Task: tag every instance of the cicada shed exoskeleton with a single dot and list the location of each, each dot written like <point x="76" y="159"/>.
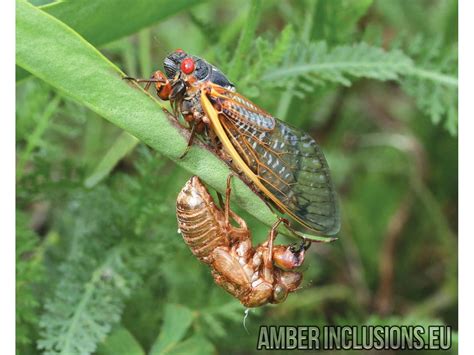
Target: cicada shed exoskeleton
<point x="283" y="164"/>
<point x="255" y="276"/>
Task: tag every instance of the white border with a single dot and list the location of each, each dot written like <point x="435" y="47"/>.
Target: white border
<point x="7" y="184"/>
<point x="466" y="175"/>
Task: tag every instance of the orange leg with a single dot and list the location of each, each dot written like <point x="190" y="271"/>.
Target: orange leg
<point x="271" y="237"/>
<point x="162" y="84"/>
<point x="228" y="190"/>
<point x="236" y="234"/>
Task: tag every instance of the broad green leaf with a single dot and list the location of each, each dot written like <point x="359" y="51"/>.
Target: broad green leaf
<point x="104" y="21"/>
<point x="120" y="342"/>
<point x="176" y="321"/>
<point x="56" y="54"/>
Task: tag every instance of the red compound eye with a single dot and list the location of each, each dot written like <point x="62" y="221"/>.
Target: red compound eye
<point x="179" y="50"/>
<point x="187" y="65"/>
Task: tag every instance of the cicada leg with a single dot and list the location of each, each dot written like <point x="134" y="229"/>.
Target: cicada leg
<point x="214" y="139"/>
<point x="228" y="190"/>
<point x="235" y="233"/>
<point x="271" y="238"/>
<point x="162" y="84"/>
<point x="164" y="91"/>
<point x="190" y="142"/>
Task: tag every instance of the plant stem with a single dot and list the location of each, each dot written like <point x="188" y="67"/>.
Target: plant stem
<point x="35" y="138"/>
<point x="144" y="51"/>
<point x="287" y="97"/>
<point x="122" y="146"/>
<point x="246" y="39"/>
<point x="433" y="76"/>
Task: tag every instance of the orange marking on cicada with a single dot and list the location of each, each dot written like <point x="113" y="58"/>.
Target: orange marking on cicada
<point x="162" y="84"/>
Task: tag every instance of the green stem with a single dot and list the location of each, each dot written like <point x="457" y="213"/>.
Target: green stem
<point x="339" y="66"/>
<point x="246" y="39"/>
<point x="144" y="51"/>
<point x="122" y="146"/>
<point x="433" y="76"/>
<point x="287" y="97"/>
<point x="35" y="138"/>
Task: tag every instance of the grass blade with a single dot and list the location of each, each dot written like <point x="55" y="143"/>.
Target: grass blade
<point x="123" y="145"/>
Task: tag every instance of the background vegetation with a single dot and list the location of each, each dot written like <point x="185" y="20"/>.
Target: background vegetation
<point x="100" y="266"/>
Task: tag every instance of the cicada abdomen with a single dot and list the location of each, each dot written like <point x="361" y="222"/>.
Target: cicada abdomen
<point x="202" y="224"/>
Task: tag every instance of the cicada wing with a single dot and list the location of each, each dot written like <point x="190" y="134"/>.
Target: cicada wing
<point x="286" y="161"/>
<point x="306" y="186"/>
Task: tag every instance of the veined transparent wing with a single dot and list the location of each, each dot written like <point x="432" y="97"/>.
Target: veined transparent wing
<point x="287" y="162"/>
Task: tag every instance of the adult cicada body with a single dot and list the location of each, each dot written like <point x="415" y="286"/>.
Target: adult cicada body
<point x="282" y="163"/>
<point x="255" y="276"/>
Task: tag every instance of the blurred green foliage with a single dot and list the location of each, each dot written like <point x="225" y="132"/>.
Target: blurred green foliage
<point x="100" y="266"/>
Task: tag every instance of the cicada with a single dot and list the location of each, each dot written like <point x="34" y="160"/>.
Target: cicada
<point x="285" y="165"/>
<point x="255" y="276"/>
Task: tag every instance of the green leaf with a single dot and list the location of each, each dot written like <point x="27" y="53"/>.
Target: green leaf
<point x="176" y="322"/>
<point x="81" y="314"/>
<point x="120" y="342"/>
<point x="104" y="21"/>
<point x="45" y="47"/>
<point x="123" y="145"/>
<point x="29" y="271"/>
<point x="433" y="81"/>
<point x="335" y="20"/>
<point x="95" y="276"/>
<point x="317" y="63"/>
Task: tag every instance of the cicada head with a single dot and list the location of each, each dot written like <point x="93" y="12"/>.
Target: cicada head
<point x="179" y="64"/>
<point x="287" y="281"/>
<point x="172" y="63"/>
